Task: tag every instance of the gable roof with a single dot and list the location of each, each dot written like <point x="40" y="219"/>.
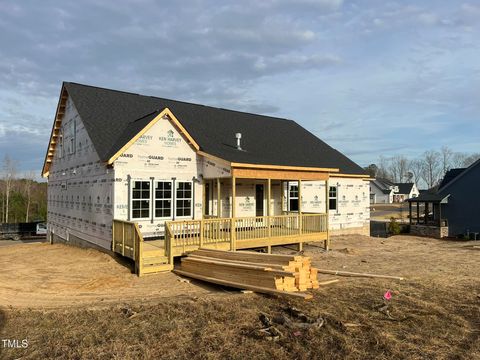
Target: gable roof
<point x="458" y="176"/>
<point x="112" y="118"/>
<point x="381" y="186"/>
<point x="450" y="175"/>
<point x="404" y="188"/>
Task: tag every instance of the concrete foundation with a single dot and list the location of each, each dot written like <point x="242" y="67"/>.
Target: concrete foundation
<point x="76" y="241"/>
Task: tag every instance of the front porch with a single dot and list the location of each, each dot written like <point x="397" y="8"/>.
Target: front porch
<point x="428" y="222"/>
<point x="274" y="222"/>
<point x="218" y="233"/>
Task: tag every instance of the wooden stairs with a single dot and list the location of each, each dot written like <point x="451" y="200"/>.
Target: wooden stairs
<point x="152" y="259"/>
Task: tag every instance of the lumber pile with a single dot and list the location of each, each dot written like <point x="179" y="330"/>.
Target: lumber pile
<point x="270" y="273"/>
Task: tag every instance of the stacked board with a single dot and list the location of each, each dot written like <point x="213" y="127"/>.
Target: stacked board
<point x="270" y="273"/>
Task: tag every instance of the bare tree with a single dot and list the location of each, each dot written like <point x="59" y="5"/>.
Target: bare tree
<point x="458" y="159"/>
<point x="28" y="186"/>
<point x="431" y="167"/>
<point x="469" y="160"/>
<point x="9" y="171"/>
<point x="383" y="168"/>
<point x="447" y="155"/>
<point x="416" y="166"/>
<point x="399" y="167"/>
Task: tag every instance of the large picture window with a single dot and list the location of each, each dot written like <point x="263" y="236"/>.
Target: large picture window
<point x="163" y="199"/>
<point x="183" y="198"/>
<point x="332" y="198"/>
<point x="141" y="200"/>
<point x="293" y="197"/>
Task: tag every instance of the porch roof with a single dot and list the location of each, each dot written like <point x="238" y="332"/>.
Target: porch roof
<point x="430" y="198"/>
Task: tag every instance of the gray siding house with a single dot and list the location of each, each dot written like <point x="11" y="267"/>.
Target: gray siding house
<point x="463" y="208"/>
<point x="452" y="210"/>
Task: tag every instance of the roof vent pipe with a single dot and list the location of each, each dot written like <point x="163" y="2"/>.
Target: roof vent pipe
<point x="239" y="138"/>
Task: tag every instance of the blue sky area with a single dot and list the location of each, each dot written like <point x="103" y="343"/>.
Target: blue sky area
<point x="370" y="78"/>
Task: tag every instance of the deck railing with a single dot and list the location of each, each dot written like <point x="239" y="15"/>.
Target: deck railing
<point x="185" y="235"/>
<point x="127" y="240"/>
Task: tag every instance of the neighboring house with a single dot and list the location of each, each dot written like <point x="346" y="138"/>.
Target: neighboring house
<point x="451" y="210"/>
<point x="404" y="191"/>
<point x="123" y="168"/>
<point x="383" y="191"/>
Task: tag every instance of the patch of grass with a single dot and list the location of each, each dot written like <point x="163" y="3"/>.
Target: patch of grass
<point x="423" y="323"/>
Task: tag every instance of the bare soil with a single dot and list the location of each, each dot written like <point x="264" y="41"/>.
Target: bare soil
<point x="41" y="275"/>
<point x="72" y="303"/>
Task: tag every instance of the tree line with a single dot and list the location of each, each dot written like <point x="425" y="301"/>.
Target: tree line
<point x="427" y="170"/>
<point x="22" y="199"/>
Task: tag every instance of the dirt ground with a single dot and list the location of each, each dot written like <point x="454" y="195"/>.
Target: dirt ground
<point x="41" y="275"/>
<point x="75" y="303"/>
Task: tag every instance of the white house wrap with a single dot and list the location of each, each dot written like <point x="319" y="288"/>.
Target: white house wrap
<point x="126" y="158"/>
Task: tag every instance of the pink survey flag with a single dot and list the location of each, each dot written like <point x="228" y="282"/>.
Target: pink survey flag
<point x="387" y="295"/>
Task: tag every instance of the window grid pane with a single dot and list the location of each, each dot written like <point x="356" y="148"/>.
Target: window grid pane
<point x="332" y="198"/>
<point x="141" y="199"/>
<point x="163" y="199"/>
<point x="183" y="199"/>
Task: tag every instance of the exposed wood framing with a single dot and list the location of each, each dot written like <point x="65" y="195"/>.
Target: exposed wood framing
<point x="246" y="173"/>
<point x="364" y="177"/>
<point x="282" y="167"/>
<point x="55" y="131"/>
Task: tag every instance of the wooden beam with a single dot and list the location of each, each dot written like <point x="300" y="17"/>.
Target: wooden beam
<point x="269" y="211"/>
<point x="61" y="103"/>
<point x="278" y="174"/>
<point x="354" y="274"/>
<point x="244" y="286"/>
<point x="281" y="197"/>
<point x="283" y="167"/>
<point x="327" y="201"/>
<point x="300" y="206"/>
<point x="219" y="201"/>
<point x="232" y="230"/>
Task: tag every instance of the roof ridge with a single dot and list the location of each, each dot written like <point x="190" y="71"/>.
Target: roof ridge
<point x="179" y="101"/>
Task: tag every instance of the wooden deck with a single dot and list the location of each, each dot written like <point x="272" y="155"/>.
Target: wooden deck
<point x="216" y="233"/>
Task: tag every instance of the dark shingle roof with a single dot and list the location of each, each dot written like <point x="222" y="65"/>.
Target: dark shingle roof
<point x="113" y="117"/>
<point x="404" y="188"/>
<point x="450" y="175"/>
<point x="429" y="197"/>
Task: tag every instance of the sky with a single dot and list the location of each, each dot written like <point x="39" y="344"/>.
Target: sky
<point x="371" y="78"/>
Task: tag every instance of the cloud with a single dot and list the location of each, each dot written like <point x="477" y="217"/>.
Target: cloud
<point x="352" y="72"/>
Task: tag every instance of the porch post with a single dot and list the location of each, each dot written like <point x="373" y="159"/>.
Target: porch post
<point x="418" y="213"/>
<point x="300" y="206"/>
<point x="426" y="213"/>
<point x="269" y="213"/>
<point x="282" y="199"/>
<point x="233" y="246"/>
<point x="440" y="214"/>
<point x="410" y="212"/>
<point x="218" y="199"/>
<point x="327" y="192"/>
<point x="203" y="199"/>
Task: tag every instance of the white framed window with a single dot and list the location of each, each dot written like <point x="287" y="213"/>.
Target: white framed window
<point x="332" y="198"/>
<point x="163" y="202"/>
<point x="183" y="199"/>
<point x="293" y="197"/>
<point x="140" y="199"/>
